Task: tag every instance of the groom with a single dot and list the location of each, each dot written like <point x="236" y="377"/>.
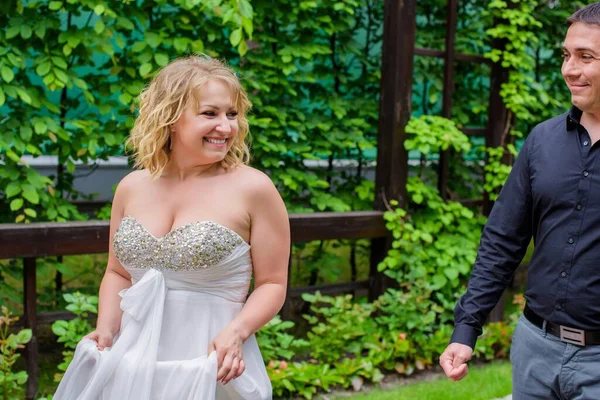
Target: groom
<point x="552" y="195"/>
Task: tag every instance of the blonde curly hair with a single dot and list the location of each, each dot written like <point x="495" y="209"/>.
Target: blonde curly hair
<point x="162" y="103"/>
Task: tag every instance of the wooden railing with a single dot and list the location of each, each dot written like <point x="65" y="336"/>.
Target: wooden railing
<point x="30" y="241"/>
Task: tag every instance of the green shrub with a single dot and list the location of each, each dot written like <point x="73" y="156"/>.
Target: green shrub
<point x="71" y="332"/>
<point x="11" y="382"/>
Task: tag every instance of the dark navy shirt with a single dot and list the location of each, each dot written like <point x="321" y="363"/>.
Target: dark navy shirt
<point x="553" y="195"/>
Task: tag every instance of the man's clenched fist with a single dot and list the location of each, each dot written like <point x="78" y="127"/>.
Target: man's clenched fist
<point x="454" y="360"/>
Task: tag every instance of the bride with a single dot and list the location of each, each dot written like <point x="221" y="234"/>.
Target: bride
<point x="188" y="231"/>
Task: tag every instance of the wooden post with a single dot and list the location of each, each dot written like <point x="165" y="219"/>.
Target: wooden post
<point x="31" y="349"/>
<point x="449" y="57"/>
<point x="394" y="112"/>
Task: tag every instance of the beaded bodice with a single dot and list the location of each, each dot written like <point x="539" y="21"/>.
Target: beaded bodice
<point x="190" y="247"/>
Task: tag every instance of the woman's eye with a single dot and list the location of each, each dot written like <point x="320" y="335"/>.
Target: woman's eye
<point x="209" y="113"/>
<point x="232" y="114"/>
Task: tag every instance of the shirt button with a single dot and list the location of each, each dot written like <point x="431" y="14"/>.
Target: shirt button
<point x="558" y="307"/>
<point x="586" y="143"/>
<point x="579" y="207"/>
<point x="571" y="240"/>
<point x="585" y="173"/>
<point x="563" y="274"/>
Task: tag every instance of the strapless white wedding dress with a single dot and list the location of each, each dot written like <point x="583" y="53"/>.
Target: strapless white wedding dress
<point x="187" y="286"/>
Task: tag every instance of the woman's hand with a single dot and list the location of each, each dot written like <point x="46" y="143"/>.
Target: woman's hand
<point x="103" y="337"/>
<point x="228" y="345"/>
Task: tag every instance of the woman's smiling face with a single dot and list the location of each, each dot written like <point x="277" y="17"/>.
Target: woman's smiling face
<point x="208" y="126"/>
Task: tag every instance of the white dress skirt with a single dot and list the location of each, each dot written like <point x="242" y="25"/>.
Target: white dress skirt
<point x="187" y="286"/>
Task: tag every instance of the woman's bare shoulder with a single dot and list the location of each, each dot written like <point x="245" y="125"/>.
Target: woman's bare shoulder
<point x="133" y="180"/>
<point x="253" y="179"/>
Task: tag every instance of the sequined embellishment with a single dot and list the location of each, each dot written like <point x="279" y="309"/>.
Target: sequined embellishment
<point x="189" y="247"/>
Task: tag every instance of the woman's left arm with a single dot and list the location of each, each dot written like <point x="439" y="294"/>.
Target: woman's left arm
<point x="270" y="240"/>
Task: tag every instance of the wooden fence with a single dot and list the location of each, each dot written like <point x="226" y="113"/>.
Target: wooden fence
<point x="31" y="241"/>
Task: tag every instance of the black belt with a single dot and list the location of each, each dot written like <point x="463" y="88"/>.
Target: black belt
<point x="564" y="333"/>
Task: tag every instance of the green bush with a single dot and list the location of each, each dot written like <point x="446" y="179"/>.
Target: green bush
<point x="71" y="71"/>
<point x="11" y="382"/>
<point x="276" y="344"/>
<point x="71" y="332"/>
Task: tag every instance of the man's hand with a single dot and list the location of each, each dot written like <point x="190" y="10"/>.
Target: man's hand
<point x="454" y="360"/>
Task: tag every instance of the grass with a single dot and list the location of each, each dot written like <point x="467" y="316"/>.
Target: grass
<point x="484" y="382"/>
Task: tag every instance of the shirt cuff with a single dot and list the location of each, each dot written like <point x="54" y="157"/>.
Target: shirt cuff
<point x="465" y="334"/>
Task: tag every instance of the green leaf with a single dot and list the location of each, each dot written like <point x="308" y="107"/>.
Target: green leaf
<point x="12" y="189"/>
<point x="25" y="31"/>
<point x="248" y="27"/>
<point x="73" y="40"/>
<point x="13" y="31"/>
<point x="69" y="298"/>
<point x="153" y="39"/>
<point x="40" y="127"/>
<point x="43" y="68"/>
<point x="61" y="75"/>
<point x="93" y="147"/>
<point x="180" y="44"/>
<point x="52" y="213"/>
<point x="24" y="336"/>
<point x="139" y="46"/>
<point x="235" y="37"/>
<point x="243" y="48"/>
<point x="80" y="83"/>
<point x="7" y="74"/>
<point x="40" y="31"/>
<point x="48" y="80"/>
<point x="99" y="27"/>
<point x="125" y="98"/>
<point x="161" y="59"/>
<point x="60" y="62"/>
<point x="30" y="194"/>
<point x="2" y="97"/>
<point x="21" y="377"/>
<point x="125" y="23"/>
<point x="55" y="5"/>
<point x="24" y="95"/>
<point x="13" y="156"/>
<point x="245" y="9"/>
<point x="99" y="9"/>
<point x="58" y="330"/>
<point x="31" y="212"/>
<point x="16" y="204"/>
<point x="451" y="273"/>
<point x="198" y="46"/>
<point x="145" y="69"/>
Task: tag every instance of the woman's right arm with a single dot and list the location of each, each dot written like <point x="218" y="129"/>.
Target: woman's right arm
<point x="115" y="279"/>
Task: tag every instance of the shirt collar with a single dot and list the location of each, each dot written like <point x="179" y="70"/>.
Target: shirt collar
<point x="573" y="118"/>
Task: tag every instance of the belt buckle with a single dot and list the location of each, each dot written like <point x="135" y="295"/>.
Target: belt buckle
<point x="572" y="335"/>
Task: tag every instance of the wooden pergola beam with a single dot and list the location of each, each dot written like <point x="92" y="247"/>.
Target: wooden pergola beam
<point x="449" y="57"/>
<point x="391" y="173"/>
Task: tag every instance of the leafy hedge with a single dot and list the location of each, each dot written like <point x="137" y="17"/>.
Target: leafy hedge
<point x="71" y="71"/>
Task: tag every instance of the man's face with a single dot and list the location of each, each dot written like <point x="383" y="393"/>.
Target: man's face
<point x="581" y="66"/>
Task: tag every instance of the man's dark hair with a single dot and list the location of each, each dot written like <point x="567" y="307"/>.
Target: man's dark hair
<point x="589" y="14"/>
